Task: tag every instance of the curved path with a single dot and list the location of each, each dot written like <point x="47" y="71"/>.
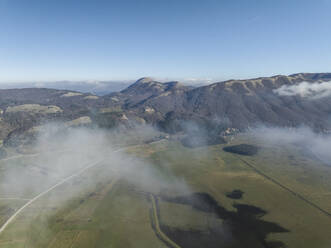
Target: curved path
<point x="157" y="227"/>
<point x="48" y="190"/>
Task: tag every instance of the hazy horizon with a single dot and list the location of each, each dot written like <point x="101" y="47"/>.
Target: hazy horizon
<point x="159" y="79"/>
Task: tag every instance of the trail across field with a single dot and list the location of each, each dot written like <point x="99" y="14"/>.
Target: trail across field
<point x="50" y="189"/>
<point x="285" y="187"/>
<point x="157" y="227"/>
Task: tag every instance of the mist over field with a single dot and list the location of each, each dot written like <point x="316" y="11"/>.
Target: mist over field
<point x="71" y="166"/>
<point x="165" y="124"/>
<point x="317" y="143"/>
<point x="62" y="153"/>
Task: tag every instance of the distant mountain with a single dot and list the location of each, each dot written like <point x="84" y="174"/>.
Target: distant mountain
<point x="223" y="107"/>
<point x="236" y="103"/>
<point x="92" y="86"/>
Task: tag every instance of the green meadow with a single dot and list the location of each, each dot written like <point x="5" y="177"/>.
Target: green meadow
<point x="102" y="209"/>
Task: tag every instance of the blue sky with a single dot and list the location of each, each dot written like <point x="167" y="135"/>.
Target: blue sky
<point x="127" y="39"/>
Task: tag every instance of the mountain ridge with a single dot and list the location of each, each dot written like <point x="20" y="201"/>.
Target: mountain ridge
<point x="227" y="105"/>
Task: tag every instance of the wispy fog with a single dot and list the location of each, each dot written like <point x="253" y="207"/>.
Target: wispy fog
<point x="318" y="144"/>
<point x="66" y="152"/>
<point x="305" y="89"/>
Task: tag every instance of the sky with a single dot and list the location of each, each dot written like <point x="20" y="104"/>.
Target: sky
<point x="178" y="39"/>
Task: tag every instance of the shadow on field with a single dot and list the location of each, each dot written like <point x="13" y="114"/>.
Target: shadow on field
<point x="240" y="229"/>
<point x="242" y="149"/>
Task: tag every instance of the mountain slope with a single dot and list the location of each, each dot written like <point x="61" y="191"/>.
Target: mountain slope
<point x="230" y="105"/>
<point x="239" y="103"/>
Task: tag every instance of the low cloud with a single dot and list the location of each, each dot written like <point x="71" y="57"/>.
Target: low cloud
<point x="318" y="144"/>
<point x="64" y="152"/>
<point x="306" y="90"/>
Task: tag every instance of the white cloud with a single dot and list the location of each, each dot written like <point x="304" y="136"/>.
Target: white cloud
<point x="305" y="89"/>
<point x="317" y="143"/>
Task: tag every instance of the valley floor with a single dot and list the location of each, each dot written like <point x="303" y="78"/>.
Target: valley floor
<point x="285" y="201"/>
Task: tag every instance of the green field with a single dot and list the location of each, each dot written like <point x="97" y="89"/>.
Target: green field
<point x="102" y="208"/>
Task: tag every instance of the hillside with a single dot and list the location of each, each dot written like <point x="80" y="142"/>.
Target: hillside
<point x="234" y="103"/>
<point x="223" y="107"/>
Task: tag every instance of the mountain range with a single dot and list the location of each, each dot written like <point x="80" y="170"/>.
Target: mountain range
<point x="228" y="106"/>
